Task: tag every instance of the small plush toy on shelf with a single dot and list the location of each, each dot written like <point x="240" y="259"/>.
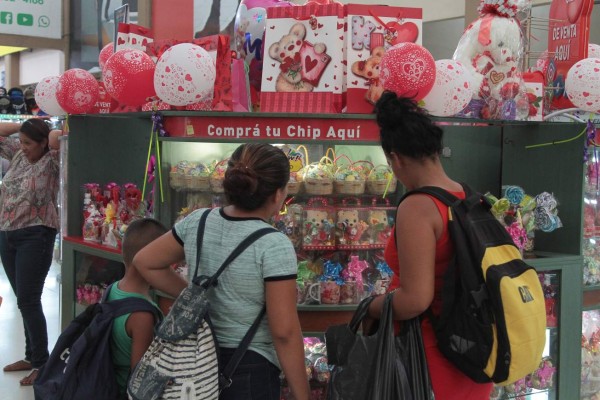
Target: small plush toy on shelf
<point x="491" y="49"/>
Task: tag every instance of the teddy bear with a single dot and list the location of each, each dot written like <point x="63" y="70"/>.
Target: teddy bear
<point x="369" y="69"/>
<point x="294" y="70"/>
<point x="380" y="226"/>
<point x="491" y="48"/>
<point x="350" y="227"/>
<point x="318" y="228"/>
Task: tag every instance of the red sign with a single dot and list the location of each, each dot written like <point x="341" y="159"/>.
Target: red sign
<point x="568" y="37"/>
<point x="273" y="128"/>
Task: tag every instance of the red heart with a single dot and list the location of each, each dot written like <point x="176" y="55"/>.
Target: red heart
<point x="180" y="88"/>
<point x="272" y="65"/>
<point x="406" y="32"/>
<point x="354" y="82"/>
<point x="188" y="77"/>
<point x="340" y="26"/>
<point x="120" y="41"/>
<point x="270" y="78"/>
<point x="344" y="62"/>
<point x="309" y="63"/>
<point x="336" y="88"/>
<point x="341" y="38"/>
<point x="167" y="69"/>
<point x="272" y="27"/>
<point x="585" y="94"/>
<point x="134" y="41"/>
<point x="326" y="85"/>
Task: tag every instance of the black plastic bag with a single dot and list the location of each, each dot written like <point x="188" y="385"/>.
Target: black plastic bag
<point x="412" y="351"/>
<point x="366" y="367"/>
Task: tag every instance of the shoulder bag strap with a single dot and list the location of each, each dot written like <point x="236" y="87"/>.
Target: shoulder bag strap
<point x="200" y="238"/>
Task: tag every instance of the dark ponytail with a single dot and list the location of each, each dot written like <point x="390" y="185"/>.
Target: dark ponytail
<point x="406" y="129"/>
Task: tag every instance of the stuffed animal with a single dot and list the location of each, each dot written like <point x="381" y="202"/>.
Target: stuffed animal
<point x="369" y="69"/>
<point x="288" y="52"/>
<point x="491" y="49"/>
<point x="317" y="228"/>
<point x="350" y="227"/>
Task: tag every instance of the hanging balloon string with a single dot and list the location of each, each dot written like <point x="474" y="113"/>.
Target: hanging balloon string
<point x="154" y="133"/>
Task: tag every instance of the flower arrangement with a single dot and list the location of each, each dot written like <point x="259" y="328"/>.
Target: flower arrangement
<point x="523" y="214"/>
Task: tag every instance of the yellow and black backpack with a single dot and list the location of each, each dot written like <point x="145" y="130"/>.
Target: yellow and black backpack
<point x="493" y="318"/>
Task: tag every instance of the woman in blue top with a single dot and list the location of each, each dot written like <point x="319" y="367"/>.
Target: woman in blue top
<point x="255" y="187"/>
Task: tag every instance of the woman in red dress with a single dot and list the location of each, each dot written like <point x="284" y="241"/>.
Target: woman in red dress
<point x="421" y="249"/>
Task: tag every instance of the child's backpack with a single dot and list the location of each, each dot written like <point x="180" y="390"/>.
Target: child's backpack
<point x="493" y="319"/>
<point x="182" y="360"/>
<point x="80" y="365"/>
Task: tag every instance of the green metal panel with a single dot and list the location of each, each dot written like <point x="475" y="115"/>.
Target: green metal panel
<point x="556" y="168"/>
<point x="102" y="150"/>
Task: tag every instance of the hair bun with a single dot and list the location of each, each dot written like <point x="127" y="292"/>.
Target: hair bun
<point x="240" y="179"/>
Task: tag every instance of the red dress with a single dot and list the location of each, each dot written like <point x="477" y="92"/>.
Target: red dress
<point x="448" y="382"/>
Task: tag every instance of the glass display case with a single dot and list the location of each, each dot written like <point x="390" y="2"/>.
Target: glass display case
<point x="339" y="224"/>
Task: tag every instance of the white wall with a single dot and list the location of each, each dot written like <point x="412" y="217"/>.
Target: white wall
<point x="37" y="64"/>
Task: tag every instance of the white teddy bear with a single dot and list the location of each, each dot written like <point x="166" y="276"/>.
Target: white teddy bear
<point x="491" y="49"/>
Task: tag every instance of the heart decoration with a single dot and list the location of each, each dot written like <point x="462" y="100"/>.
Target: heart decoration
<point x="400" y="33"/>
<point x="497" y="77"/>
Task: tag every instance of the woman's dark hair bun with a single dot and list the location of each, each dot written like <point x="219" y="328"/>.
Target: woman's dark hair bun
<point x="390" y="108"/>
<point x="241" y="180"/>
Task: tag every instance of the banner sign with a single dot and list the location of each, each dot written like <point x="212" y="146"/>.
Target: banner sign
<point x="283" y="129"/>
<point x="568" y="37"/>
<point x="39" y="18"/>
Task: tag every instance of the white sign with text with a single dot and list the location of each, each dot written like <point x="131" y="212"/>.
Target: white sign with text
<point x="39" y="18"/>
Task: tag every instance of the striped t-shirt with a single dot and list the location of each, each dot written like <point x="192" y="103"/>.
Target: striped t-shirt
<point x="240" y="294"/>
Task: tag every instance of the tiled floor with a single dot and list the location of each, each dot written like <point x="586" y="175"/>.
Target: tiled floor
<point x="12" y="341"/>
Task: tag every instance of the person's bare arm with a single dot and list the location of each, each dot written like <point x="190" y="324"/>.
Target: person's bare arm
<point x="153" y="263"/>
<point x="140" y="327"/>
<point x="418" y="220"/>
<point x="287" y="335"/>
<point x="8" y="128"/>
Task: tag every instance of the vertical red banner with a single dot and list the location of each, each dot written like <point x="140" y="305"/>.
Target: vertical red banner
<point x="568" y="37"/>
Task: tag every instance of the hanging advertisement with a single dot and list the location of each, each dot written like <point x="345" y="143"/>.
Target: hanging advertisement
<point x="568" y="37"/>
<point x="39" y="18"/>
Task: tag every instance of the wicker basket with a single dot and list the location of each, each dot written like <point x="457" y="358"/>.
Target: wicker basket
<point x="377" y="182"/>
<point x="197" y="183"/>
<point x="176" y="180"/>
<point x="350" y="187"/>
<point x="216" y="185"/>
<point x="318" y="186"/>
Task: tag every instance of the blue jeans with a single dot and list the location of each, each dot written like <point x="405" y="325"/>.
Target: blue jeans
<point x="254" y="379"/>
<point x="26" y="256"/>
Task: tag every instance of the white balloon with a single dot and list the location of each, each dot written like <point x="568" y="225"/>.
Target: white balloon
<point x="452" y="90"/>
<point x="45" y="96"/>
<point x="583" y="84"/>
<point x="593" y="50"/>
<point x="185" y="74"/>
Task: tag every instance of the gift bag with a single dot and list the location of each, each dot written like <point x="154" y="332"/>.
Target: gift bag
<point x="132" y="36"/>
<point x="380" y="217"/>
<point x="371" y="31"/>
<point x="303" y="68"/>
<point x="240" y="87"/>
<point x="534" y="89"/>
<point x="369" y="366"/>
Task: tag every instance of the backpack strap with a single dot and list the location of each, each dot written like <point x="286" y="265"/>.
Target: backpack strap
<point x="225" y="376"/>
<point x="129" y="305"/>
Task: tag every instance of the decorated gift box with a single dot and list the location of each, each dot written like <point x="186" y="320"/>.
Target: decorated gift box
<point x="534" y="90"/>
<point x="303" y="67"/>
<point x="318" y="225"/>
<point x="380" y="217"/>
<point x="132" y="36"/>
<point x="352" y="229"/>
<point x="371" y="30"/>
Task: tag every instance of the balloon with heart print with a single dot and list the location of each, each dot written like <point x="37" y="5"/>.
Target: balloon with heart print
<point x="185" y="74"/>
<point x="77" y="91"/>
<point x="128" y="76"/>
<point x="583" y="84"/>
<point x="408" y="70"/>
<point x="452" y="90"/>
<point x="45" y="95"/>
<point x="105" y="54"/>
<point x="249" y="30"/>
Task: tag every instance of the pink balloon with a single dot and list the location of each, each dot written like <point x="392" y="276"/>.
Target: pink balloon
<point x="77" y="91"/>
<point x="583" y="84"/>
<point x="452" y="90"/>
<point x="105" y="54"/>
<point x="45" y="96"/>
<point x="127" y="76"/>
<point x="185" y="74"/>
<point x="408" y="70"/>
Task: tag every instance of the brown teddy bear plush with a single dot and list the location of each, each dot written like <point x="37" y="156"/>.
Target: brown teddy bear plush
<point x="287" y="52"/>
<point x="369" y="69"/>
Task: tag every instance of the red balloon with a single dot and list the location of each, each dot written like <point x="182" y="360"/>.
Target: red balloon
<point x="105" y="103"/>
<point x="77" y="91"/>
<point x="105" y="54"/>
<point x="408" y="70"/>
<point x="129" y="77"/>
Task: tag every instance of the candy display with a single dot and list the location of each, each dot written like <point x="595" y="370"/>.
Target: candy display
<point x="197" y="177"/>
<point x="318" y="229"/>
<point x="318" y="178"/>
<point x="317" y="370"/>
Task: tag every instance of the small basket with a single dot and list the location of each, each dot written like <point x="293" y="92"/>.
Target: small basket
<point x="351" y="179"/>
<point x="377" y="181"/>
<point x="176" y="180"/>
<point x="318" y="177"/>
<point x="293" y="187"/>
<point x="199" y="183"/>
